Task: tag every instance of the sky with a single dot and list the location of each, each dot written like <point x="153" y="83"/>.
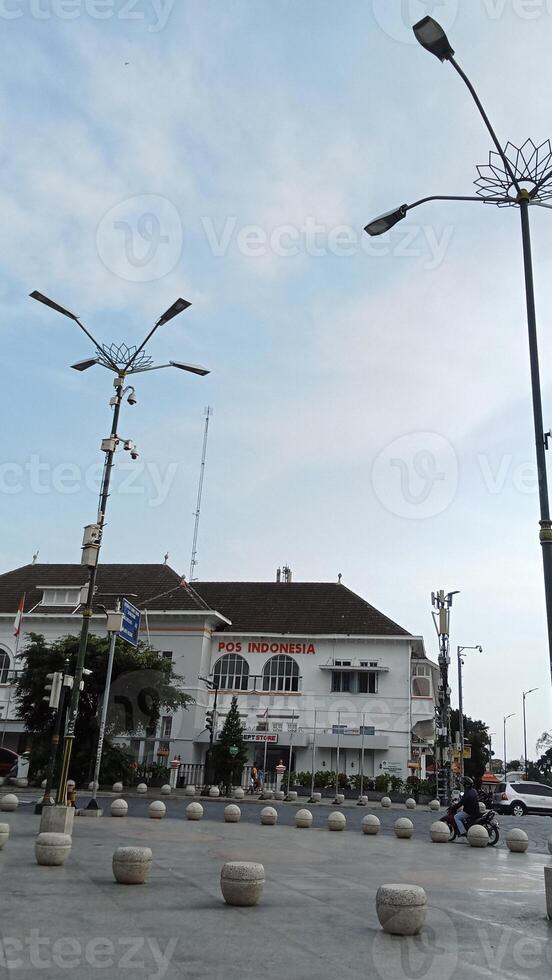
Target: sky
<point x="371" y="397"/>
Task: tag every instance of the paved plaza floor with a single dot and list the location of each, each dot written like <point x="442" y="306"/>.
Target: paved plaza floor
<point x="316" y="919"/>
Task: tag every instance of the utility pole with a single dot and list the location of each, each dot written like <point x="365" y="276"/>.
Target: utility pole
<point x="193" y="560"/>
<point x="442" y="603"/>
<point x="525" y="765"/>
<point x="62" y="701"/>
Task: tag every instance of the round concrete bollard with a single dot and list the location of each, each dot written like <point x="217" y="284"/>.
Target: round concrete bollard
<point x="434" y="806"/>
<point x="303" y="819"/>
<point x="52" y="850"/>
<point x="478" y="836"/>
<point x="316" y="798"/>
<point x="117" y="788"/>
<point x="194" y="811"/>
<point x="339" y="799"/>
<point x="363" y="801"/>
<point x="267" y="794"/>
<point x="4" y="834"/>
<point x="9" y="803"/>
<point x="190" y="790"/>
<point x="131" y="865"/>
<point x="242" y="883"/>
<point x="385" y="802"/>
<point x="119" y="808"/>
<point x="439" y="832"/>
<point x="404" y="828"/>
<point x="166" y="790"/>
<point x="269" y="816"/>
<point x="410" y="804"/>
<point x="214" y="792"/>
<point x="22" y="782"/>
<point x="93" y="786"/>
<point x="239" y="793"/>
<point x="401" y="909"/>
<point x="292" y="796"/>
<point x="550" y="844"/>
<point x="337" y="821"/>
<point x="157" y="810"/>
<point x="43" y="784"/>
<point x="482" y="808"/>
<point x="279" y="795"/>
<point x="517" y="840"/>
<point x="370" y="824"/>
<point x="232" y="813"/>
<point x="141" y="788"/>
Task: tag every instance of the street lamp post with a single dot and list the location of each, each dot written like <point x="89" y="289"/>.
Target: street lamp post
<point x="459" y="651"/>
<point x="491" y="751"/>
<point x="504" y="742"/>
<point x="525" y="766"/>
<point x="514" y="177"/>
<point x="122" y="361"/>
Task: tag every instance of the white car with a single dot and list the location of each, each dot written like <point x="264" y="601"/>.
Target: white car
<point x="523" y="797"/>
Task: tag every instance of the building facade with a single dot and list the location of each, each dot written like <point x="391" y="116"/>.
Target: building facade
<point x="322" y="678"/>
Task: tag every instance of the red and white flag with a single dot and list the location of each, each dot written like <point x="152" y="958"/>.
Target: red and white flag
<point x="19" y="617"/>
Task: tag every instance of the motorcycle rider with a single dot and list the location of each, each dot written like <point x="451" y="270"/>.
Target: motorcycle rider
<point x="469" y="803"/>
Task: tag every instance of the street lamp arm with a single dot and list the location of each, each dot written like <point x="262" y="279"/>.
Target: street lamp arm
<point x="378" y="226"/>
<point x="487" y="122"/>
<point x="456" y="197"/>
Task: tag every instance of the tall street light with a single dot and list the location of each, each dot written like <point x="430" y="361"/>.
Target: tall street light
<point x="504" y="742"/>
<point x="491" y="734"/>
<point x="525" y="766"/>
<point x="459" y="652"/>
<point x="122" y="361"/>
<point x="517" y="177"/>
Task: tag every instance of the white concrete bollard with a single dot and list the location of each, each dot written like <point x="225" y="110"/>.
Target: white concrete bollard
<point x="52" y="850"/>
<point x="370" y="824"/>
<point x="9" y="803"/>
<point x="4" y="834"/>
<point x="434" y="806"/>
<point x="548" y="891"/>
<point x="339" y="799"/>
<point x="117" y="788"/>
<point x="44" y="784"/>
<point x="93" y="786"/>
<point x="316" y="798"/>
<point x="242" y="883"/>
<point x="194" y="811"/>
<point x="232" y="813"/>
<point x="401" y="909"/>
<point x="71" y="784"/>
<point x="337" y="821"/>
<point x="119" y="808"/>
<point x="141" y="788"/>
<point x="157" y="810"/>
<point x="478" y="836"/>
<point x="303" y="819"/>
<point x="385" y="802"/>
<point x="190" y="790"/>
<point x="279" y="794"/>
<point x="404" y="828"/>
<point x="517" y="840"/>
<point x="269" y="816"/>
<point x="166" y="790"/>
<point x="292" y="796"/>
<point x="214" y="792"/>
<point x="131" y="865"/>
<point x="363" y="801"/>
<point x="267" y="794"/>
<point x="410" y="803"/>
<point x="239" y="793"/>
<point x="439" y="832"/>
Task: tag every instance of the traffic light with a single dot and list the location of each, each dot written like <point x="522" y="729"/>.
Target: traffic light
<point x="209" y="720"/>
<point x="53" y="689"/>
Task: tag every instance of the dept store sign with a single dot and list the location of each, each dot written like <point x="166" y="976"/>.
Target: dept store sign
<point x="254" y="646"/>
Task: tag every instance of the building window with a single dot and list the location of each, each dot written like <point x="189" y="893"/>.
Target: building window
<point x="167" y="655"/>
<point x="367" y="730"/>
<point x="277" y="726"/>
<point x="4" y="667"/>
<point x="422" y="686"/>
<point x="281" y="674"/>
<point x="341" y="681"/>
<point x="339" y="729"/>
<point x="231" y="673"/>
<point x="166" y="726"/>
<point x="367" y="683"/>
<point x="61" y="597"/>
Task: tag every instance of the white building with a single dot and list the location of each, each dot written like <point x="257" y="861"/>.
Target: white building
<point x="316" y="669"/>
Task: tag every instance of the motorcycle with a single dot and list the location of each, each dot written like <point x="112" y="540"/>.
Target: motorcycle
<point x="487" y="820"/>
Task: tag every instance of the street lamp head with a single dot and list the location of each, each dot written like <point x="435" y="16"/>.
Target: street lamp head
<point x="432" y="37"/>
<point x="178" y="307"/>
<point x="41" y="298"/>
<point x="386" y="221"/>
<point x="193" y="368"/>
<point x="84" y="365"/>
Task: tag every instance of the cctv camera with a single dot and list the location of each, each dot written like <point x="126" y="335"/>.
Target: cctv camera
<point x="134" y="454"/>
<point x="87" y="672"/>
<point x="132" y="399"/>
<point x="128" y="445"/>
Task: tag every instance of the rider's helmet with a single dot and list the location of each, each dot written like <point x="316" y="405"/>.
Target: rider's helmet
<point x="467" y="781"/>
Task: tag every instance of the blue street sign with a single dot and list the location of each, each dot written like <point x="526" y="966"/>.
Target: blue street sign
<point x="131" y="623"/>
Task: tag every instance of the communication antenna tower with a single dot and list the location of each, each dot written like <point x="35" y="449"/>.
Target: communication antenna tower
<point x="197" y="513"/>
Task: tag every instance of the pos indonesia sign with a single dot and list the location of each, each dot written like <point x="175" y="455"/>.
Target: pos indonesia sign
<point x="131" y="623"/>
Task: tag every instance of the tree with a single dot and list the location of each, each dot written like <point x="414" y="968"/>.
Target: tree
<point x="476" y="733"/>
<point x="143" y="683"/>
<point x="229" y="766"/>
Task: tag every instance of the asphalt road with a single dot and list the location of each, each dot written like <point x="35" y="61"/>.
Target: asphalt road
<point x="537" y="828"/>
